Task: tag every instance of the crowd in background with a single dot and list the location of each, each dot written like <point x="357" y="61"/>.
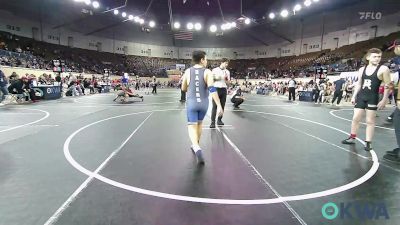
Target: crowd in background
<point x="323" y="90"/>
<point x="24" y="52"/>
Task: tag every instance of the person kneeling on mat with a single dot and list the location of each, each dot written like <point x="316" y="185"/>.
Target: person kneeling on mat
<point x="197" y="82"/>
<point x="237" y="98"/>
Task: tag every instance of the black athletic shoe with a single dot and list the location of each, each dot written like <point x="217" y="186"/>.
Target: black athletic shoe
<point x="392" y="158"/>
<point x="389" y="119"/>
<point x="200" y="159"/>
<point x="220" y="123"/>
<point x="212" y="125"/>
<point x="368" y="146"/>
<point x="349" y="141"/>
<point x="394" y="152"/>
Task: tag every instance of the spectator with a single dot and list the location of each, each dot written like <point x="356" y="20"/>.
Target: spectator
<point x="3" y="87"/>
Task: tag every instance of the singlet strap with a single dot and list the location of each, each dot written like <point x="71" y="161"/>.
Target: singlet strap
<point x="365" y="70"/>
<point x="377" y="69"/>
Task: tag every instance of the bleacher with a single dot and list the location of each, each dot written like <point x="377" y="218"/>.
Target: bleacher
<point x="25" y="52"/>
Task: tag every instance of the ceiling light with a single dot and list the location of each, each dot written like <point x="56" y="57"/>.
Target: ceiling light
<point x="124" y="14"/>
<point x="87" y="2"/>
<point x="152" y="24"/>
<point x="116" y="12"/>
<point x="272" y="16"/>
<point x="197" y="26"/>
<point x="96" y="4"/>
<point x="177" y="25"/>
<point x="136" y="19"/>
<point x="307" y="3"/>
<point x="189" y="26"/>
<point x="141" y="21"/>
<point x="297" y="7"/>
<point x="284" y="13"/>
<point x="130" y="17"/>
<point x="213" y="28"/>
<point x="247" y="21"/>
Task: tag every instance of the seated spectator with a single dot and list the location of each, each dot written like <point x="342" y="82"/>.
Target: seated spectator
<point x="42" y="79"/>
<point x="72" y="91"/>
<point x="13" y="76"/>
<point x="23" y="87"/>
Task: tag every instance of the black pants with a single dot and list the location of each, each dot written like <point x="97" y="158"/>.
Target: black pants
<point x="396" y="121"/>
<point x="337" y="95"/>
<point x="154" y="90"/>
<point x="237" y="101"/>
<point x="183" y="96"/>
<point x="316" y="95"/>
<point x="395" y="98"/>
<point x="32" y="95"/>
<point x="30" y="92"/>
<point x="137" y="86"/>
<point x="222" y="97"/>
<point x="292" y="93"/>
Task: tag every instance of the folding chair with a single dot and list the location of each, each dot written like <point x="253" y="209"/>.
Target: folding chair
<point x="17" y="98"/>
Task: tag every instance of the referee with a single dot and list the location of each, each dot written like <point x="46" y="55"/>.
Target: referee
<point x="221" y="80"/>
<point x="292" y="89"/>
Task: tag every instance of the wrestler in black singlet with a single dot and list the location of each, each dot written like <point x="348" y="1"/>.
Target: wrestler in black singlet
<point x="368" y="97"/>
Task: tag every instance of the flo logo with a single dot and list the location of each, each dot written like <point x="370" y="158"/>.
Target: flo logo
<point x="355" y="210"/>
<point x="370" y="15"/>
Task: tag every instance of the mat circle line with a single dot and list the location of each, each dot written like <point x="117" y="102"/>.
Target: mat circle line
<point x="353" y="184"/>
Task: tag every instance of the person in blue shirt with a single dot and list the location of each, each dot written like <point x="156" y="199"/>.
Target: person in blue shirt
<point x="3" y="86"/>
<point x="198" y="82"/>
<point x="125" y="79"/>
